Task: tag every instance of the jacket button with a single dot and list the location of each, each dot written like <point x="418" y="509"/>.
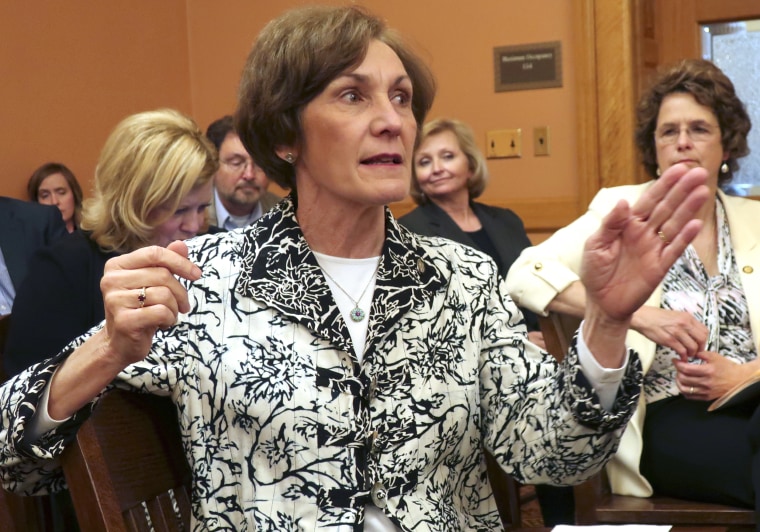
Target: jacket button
<point x="379" y="495"/>
<point x="538" y="266"/>
<point x="748" y="269"/>
<point x="420" y="266"/>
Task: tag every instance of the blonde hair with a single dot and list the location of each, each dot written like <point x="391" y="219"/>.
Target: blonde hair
<point x="475" y="160"/>
<point x="151" y="159"/>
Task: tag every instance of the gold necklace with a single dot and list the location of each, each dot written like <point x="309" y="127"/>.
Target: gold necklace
<point x="357" y="314"/>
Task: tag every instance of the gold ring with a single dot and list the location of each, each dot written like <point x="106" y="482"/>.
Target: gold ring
<point x="142" y="297"/>
<point x="663" y="237"/>
<point x="691" y="390"/>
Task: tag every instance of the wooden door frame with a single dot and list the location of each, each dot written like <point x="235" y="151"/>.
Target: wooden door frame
<point x="619" y="45"/>
<point x="606" y="57"/>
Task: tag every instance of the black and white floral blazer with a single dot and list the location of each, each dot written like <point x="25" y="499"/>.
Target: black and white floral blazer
<point x="285" y="430"/>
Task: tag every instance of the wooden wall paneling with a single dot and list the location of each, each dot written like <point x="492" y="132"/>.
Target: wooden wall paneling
<point x="720" y="10"/>
<point x="586" y="102"/>
<point x="674" y="30"/>
<point x="616" y="82"/>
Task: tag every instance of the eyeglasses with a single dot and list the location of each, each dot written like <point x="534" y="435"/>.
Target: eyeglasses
<point x="697" y="132"/>
<point x="238" y="165"/>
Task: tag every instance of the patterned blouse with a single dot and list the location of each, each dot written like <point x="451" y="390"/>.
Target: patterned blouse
<point x="717" y="301"/>
<point x="285" y="430"/>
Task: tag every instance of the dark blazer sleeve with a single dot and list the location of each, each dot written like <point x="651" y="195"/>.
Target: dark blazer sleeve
<point x="26" y="227"/>
<point x="507" y="232"/>
<point x="59" y="300"/>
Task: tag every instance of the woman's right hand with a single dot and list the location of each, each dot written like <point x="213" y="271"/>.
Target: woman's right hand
<point x="142" y="294"/>
<point x="680" y="331"/>
<point x="130" y="322"/>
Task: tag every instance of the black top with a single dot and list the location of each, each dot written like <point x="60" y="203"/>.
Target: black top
<point x="502" y="227"/>
<point x="59" y="300"/>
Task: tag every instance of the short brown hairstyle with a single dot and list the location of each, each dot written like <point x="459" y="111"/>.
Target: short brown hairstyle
<point x="294" y="58"/>
<point x="150" y="159"/>
<point x="475" y="160"/>
<point x="48" y="169"/>
<point x="710" y="87"/>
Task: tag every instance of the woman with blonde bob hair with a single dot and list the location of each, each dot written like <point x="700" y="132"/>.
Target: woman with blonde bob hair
<point x="152" y="186"/>
<point x="476" y="162"/>
<point x="148" y="166"/>
<point x="448" y="173"/>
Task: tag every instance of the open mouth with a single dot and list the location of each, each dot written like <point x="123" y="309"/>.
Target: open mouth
<point x="383" y="159"/>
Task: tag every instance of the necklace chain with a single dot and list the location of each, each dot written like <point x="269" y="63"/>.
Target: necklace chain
<point x="357" y="314"/>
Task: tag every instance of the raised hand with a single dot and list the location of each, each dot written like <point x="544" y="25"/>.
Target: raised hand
<point x="141" y="294"/>
<point x="627" y="258"/>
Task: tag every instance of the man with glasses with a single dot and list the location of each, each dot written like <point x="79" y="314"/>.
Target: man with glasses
<point x="240" y="187"/>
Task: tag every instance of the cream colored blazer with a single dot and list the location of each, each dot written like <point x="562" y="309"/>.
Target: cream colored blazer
<point x="543" y="271"/>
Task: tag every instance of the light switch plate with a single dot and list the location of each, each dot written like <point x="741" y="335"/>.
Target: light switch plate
<point x="504" y="143"/>
<point x="541" y="140"/>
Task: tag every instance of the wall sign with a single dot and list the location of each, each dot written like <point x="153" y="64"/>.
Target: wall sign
<point x="527" y="66"/>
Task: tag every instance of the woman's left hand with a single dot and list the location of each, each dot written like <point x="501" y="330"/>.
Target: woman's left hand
<point x="712" y="378"/>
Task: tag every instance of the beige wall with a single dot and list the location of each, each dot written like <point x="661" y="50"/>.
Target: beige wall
<point x="69" y="71"/>
<point x="72" y="70"/>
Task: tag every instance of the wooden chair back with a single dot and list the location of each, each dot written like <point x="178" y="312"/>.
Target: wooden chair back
<point x="126" y="470"/>
<point x="506" y="491"/>
<point x="594" y="501"/>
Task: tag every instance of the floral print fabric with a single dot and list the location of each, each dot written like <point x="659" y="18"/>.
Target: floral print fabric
<point x="718" y="302"/>
<point x="285" y="430"/>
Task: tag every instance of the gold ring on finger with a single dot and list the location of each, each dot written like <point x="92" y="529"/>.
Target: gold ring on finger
<point x="142" y="297"/>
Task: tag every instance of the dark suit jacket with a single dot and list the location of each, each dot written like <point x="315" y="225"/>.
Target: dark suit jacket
<point x="503" y="227"/>
<point x="59" y="301"/>
<point x="26" y="227"/>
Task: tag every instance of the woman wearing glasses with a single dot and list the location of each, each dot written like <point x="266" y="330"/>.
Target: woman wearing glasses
<point x="698" y="334"/>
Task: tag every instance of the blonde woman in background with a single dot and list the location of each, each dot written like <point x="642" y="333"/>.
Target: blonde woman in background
<point x="152" y="186"/>
<point x="449" y="172"/>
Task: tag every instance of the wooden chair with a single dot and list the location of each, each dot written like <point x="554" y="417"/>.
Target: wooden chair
<point x="594" y="501"/>
<point x="126" y="470"/>
<point x="506" y="491"/>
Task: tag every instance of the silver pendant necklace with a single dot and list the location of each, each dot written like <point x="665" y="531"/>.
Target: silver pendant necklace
<point x="357" y="314"/>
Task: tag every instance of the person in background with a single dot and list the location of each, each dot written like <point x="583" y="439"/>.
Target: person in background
<point x="152" y="186"/>
<point x="240" y="186"/>
<point x="698" y="333"/>
<point x="331" y="369"/>
<point x="55" y="184"/>
<point x="448" y="173"/>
